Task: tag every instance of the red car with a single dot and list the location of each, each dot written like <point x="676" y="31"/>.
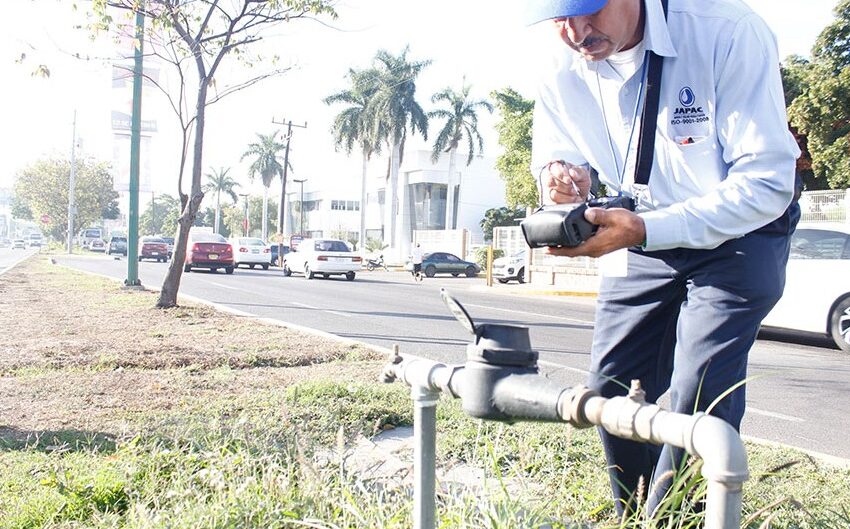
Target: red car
<point x="208" y="250"/>
<point x="152" y="248"/>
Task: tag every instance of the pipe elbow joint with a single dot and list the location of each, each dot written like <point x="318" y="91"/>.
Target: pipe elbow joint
<point x="720" y="447"/>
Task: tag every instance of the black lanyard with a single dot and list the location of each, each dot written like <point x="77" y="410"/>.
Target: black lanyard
<point x="649" y="116"/>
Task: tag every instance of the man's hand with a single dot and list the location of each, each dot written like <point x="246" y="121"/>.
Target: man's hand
<point x="566" y="183"/>
<point x="618" y="228"/>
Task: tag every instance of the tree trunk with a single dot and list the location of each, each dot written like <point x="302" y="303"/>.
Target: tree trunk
<point x="171" y="283"/>
<point x="265" y="223"/>
<point x="362" y="242"/>
<point x="217" y="211"/>
<point x="450" y="192"/>
<point x="391" y="197"/>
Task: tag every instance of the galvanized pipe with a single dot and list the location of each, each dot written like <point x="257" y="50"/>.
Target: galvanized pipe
<point x="424" y="456"/>
<point x="529" y="396"/>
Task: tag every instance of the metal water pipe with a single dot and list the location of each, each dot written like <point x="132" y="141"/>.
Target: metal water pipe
<point x="500" y="381"/>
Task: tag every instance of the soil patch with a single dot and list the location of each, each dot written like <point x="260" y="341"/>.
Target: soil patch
<point x="87" y="355"/>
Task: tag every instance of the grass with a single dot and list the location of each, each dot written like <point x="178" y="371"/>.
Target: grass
<point x="266" y="443"/>
<point x="263" y="462"/>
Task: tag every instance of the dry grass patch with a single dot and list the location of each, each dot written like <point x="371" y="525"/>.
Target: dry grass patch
<point x="60" y="318"/>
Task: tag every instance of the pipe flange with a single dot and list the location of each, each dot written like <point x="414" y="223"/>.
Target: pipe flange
<point x="572" y="408"/>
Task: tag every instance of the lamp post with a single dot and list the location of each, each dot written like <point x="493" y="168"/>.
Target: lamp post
<point x="301" y="206"/>
<point x="245" y="221"/>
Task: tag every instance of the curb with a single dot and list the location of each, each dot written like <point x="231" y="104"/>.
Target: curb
<point x="243" y="314"/>
<point x="833" y="460"/>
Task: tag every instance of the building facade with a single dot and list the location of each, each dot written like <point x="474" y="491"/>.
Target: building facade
<point x="420" y="193"/>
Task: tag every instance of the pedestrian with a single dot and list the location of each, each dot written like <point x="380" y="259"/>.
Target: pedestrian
<point x="416" y="260"/>
<point x="689" y="275"/>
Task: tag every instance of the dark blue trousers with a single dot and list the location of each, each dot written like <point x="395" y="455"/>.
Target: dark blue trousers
<point x="682" y="320"/>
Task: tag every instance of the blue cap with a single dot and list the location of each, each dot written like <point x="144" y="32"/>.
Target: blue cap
<point x="541" y="10"/>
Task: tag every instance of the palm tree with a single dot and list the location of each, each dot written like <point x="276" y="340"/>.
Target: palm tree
<point x="354" y="125"/>
<point x="394" y="110"/>
<point x="218" y="182"/>
<point x="461" y="121"/>
<point x="267" y="166"/>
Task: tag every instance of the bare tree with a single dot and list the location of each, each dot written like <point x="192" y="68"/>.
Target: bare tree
<point x="195" y="38"/>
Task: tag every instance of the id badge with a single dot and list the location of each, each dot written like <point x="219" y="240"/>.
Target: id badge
<point x="614" y="264"/>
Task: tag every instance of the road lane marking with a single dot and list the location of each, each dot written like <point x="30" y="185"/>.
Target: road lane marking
<point x="775" y="415"/>
<point x="513" y="311"/>
<point x="338" y="313"/>
<point x="562" y="366"/>
<point x="306" y="306"/>
<point x="215" y="283"/>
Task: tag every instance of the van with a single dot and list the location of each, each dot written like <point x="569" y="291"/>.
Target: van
<point x="88" y="235"/>
<point x="35" y="240"/>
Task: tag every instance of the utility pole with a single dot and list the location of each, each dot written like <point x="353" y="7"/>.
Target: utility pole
<point x="135" y="147"/>
<point x="72" y="183"/>
<point x="280" y="211"/>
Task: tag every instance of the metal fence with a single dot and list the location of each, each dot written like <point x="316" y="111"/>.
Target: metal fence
<point x="831" y="205"/>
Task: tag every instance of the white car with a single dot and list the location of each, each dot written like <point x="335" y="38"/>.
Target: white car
<point x="324" y="257"/>
<point x="251" y="251"/>
<point x="817" y="286"/>
<point x="510" y="267"/>
<point x="19" y="244"/>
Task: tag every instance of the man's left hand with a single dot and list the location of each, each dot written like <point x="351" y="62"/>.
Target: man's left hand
<point x="618" y="228"/>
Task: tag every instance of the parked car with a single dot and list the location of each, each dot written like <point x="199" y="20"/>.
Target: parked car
<point x="817" y="285"/>
<point x="97" y="245"/>
<point x="205" y="249"/>
<point x="445" y="263"/>
<point x="325" y="257"/>
<point x="117" y="245"/>
<point x="510" y="267"/>
<point x="152" y="248"/>
<point x="251" y="251"/>
<point x="19" y="244"/>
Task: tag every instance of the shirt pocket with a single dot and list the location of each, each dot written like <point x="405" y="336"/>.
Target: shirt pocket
<point x="695" y="166"/>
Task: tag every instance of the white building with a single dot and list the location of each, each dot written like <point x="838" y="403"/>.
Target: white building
<point x="333" y="208"/>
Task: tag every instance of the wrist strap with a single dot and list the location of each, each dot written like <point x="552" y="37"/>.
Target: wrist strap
<point x="649" y="116"/>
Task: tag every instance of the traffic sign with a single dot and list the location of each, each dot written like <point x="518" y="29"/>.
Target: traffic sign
<point x="45" y="219"/>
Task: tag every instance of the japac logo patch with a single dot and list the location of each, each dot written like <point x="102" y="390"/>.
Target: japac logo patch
<point x="688" y="111"/>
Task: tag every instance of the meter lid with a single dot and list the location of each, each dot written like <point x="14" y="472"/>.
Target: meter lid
<point x="459" y="312"/>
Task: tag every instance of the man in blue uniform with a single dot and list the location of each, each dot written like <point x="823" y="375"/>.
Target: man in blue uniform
<point x="689" y="275"/>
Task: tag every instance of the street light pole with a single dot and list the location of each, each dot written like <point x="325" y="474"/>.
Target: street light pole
<point x="301" y="206"/>
<point x="135" y="145"/>
<point x="245" y="222"/>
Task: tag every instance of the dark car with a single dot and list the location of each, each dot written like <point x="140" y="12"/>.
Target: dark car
<point x="170" y="242"/>
<point x="208" y="250"/>
<point x="276" y="250"/>
<point x="153" y="248"/>
<point x="117" y="245"/>
<point x="446" y="263"/>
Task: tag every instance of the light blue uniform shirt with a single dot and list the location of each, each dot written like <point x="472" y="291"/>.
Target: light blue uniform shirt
<point x="724" y="158"/>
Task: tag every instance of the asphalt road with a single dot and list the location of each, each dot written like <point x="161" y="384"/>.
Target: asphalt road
<point x="798" y="396"/>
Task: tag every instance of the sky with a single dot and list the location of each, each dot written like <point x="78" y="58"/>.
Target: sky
<point x="483" y="42"/>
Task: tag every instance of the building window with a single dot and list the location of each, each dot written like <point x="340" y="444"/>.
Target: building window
<point x="345" y="205"/>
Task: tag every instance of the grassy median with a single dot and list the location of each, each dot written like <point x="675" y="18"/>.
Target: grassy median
<point x="115" y="414"/>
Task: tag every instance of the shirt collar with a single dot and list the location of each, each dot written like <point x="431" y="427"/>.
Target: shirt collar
<point x="656" y="33"/>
